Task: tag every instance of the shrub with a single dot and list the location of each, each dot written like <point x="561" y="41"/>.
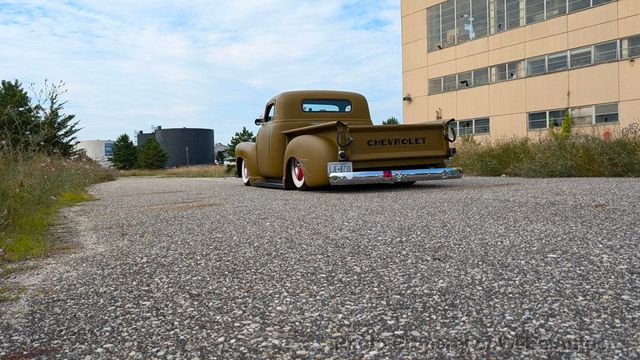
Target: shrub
<point x="151" y="155"/>
<point x="555" y="156"/>
<point x="32" y="187"/>
<point x="124" y="153"/>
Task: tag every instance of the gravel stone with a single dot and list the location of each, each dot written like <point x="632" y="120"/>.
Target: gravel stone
<point x="209" y="268"/>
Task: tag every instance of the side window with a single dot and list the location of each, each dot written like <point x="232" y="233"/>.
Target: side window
<point x="270" y="113"/>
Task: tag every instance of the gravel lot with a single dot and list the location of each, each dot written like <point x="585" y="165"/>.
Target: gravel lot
<point x="185" y="268"/>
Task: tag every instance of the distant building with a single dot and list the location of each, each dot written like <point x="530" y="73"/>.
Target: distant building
<point x="185" y="146"/>
<point x="514" y="68"/>
<point x="219" y="148"/>
<point x="98" y="150"/>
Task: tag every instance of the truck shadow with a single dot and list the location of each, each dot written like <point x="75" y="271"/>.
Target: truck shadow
<point x="373" y="188"/>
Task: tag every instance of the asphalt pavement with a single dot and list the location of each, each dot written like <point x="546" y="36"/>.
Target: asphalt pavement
<point x="209" y="268"/>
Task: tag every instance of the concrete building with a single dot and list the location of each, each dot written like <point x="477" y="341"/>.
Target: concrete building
<point x="512" y="68"/>
<point x="185" y="146"/>
<point x="98" y="150"/>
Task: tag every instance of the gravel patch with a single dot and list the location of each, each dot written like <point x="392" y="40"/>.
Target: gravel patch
<point x="208" y="268"/>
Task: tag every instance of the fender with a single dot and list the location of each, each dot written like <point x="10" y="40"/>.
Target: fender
<point x="247" y="151"/>
<point x="313" y="152"/>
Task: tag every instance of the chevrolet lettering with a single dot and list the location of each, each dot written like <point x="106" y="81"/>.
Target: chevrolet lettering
<point x="397" y="141"/>
<point x="317" y="138"/>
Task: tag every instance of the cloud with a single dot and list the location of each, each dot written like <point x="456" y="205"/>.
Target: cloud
<point x="132" y="64"/>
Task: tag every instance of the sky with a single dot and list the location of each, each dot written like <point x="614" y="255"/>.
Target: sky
<point x="129" y="65"/>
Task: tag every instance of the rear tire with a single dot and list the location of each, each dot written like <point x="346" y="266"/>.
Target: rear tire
<point x="297" y="174"/>
<point x="244" y="172"/>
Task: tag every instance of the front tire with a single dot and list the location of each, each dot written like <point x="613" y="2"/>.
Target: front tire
<point x="297" y="174"/>
<point x="244" y="172"/>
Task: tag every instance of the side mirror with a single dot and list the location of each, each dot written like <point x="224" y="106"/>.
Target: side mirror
<point x="259" y="122"/>
<point x="450" y="131"/>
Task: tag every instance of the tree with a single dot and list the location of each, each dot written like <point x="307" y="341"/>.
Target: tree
<point x="151" y="155"/>
<point x="242" y="136"/>
<point x="57" y="129"/>
<point x="43" y="126"/>
<point x="18" y="123"/>
<point x="220" y="156"/>
<point x="125" y="153"/>
<point x="391" y="121"/>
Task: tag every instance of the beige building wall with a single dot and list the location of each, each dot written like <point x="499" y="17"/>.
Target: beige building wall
<point x="508" y="103"/>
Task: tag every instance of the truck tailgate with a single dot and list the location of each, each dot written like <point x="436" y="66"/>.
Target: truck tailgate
<point x="394" y="142"/>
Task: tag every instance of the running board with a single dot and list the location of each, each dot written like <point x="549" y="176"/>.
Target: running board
<point x="269" y="183"/>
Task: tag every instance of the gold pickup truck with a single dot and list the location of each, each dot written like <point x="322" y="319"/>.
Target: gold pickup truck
<point x="318" y="138"/>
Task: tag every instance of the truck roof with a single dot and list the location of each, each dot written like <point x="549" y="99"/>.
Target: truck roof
<point x="289" y="105"/>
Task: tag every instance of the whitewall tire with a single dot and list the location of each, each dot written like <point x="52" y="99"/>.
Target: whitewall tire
<point x="244" y="171"/>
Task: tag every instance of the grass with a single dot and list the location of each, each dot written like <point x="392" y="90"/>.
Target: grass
<point x="186" y="171"/>
<point x="32" y="188"/>
<point x="552" y="156"/>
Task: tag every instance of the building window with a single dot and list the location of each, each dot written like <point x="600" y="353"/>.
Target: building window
<point x="513" y="14"/>
<point x="588" y="115"/>
<point x="556" y="8"/>
<point x="481" y="77"/>
<point x="464" y="21"/>
<point x="433" y="22"/>
<point x="499" y="73"/>
<point x="456" y="21"/>
<point x="448" y="23"/>
<point x="580" y="57"/>
<point x="605" y="52"/>
<point x="606" y="113"/>
<point x="630" y="47"/>
<point x="557" y="62"/>
<point x="472" y="127"/>
<point x="582" y="116"/>
<point x="435" y="86"/>
<point x="480" y="17"/>
<point x="465" y="128"/>
<point x="537" y="120"/>
<point x="481" y="126"/>
<point x="537" y="65"/>
<point x="575" y="5"/>
<point x="449" y="83"/>
<point x="556" y="117"/>
<point x="515" y="70"/>
<point x="465" y="80"/>
<point x="534" y="11"/>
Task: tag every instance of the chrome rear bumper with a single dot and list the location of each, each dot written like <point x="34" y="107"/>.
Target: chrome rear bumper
<point x="397" y="176"/>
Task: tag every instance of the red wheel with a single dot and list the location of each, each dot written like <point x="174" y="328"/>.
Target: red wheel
<point x="297" y="174"/>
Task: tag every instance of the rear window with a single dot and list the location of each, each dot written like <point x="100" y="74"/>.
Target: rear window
<point x="326" y="105"/>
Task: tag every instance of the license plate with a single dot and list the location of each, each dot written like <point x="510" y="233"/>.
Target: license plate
<point x="339" y="167"/>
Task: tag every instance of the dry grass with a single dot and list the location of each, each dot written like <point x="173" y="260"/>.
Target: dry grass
<point x="32" y="188"/>
<point x="553" y="156"/>
<point x="200" y="171"/>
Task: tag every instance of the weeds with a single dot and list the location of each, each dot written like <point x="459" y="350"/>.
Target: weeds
<point x="203" y="171"/>
<point x="553" y="156"/>
<point x="32" y="188"/>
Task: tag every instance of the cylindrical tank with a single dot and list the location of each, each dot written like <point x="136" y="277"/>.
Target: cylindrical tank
<point x="143" y="137"/>
<point x="186" y="146"/>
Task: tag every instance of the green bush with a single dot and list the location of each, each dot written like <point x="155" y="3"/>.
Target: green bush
<point x="555" y="156"/>
<point x="125" y="154"/>
<point x="151" y="155"/>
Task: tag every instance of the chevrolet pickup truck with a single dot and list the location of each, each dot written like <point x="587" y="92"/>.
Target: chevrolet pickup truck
<point x="318" y="138"/>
